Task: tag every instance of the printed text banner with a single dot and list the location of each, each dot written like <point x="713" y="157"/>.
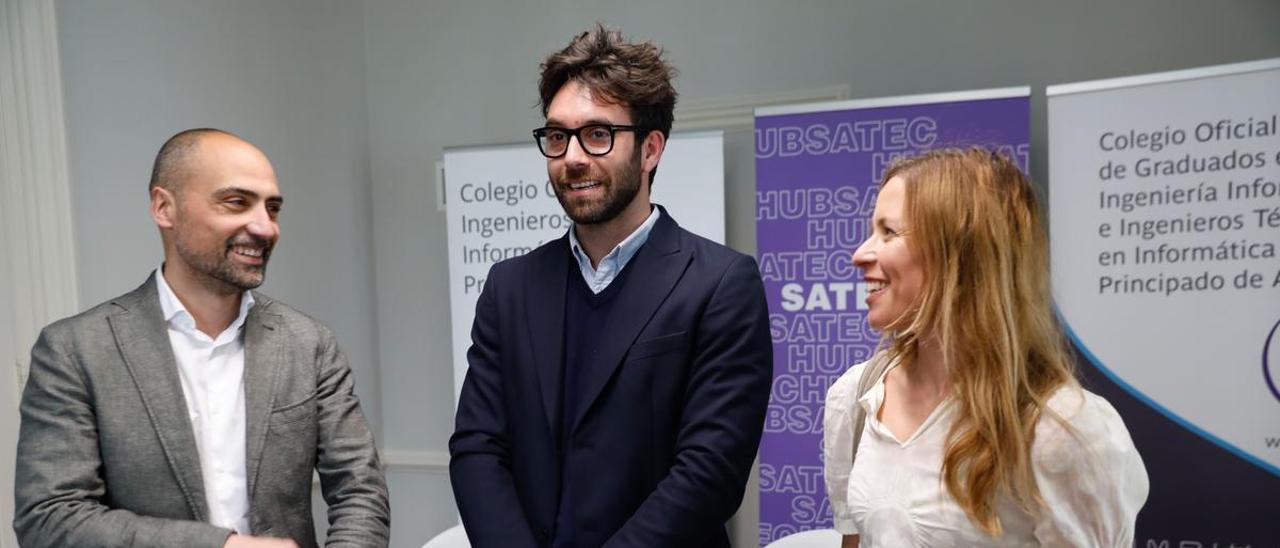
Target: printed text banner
<point x="1165" y="211"/>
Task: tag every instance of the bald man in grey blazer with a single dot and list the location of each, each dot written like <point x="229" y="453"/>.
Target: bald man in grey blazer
<point x="193" y="411"/>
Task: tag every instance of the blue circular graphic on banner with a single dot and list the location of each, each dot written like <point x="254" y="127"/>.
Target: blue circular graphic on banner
<point x="1271" y="359"/>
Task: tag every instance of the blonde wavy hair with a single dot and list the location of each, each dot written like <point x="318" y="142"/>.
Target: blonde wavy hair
<point x="977" y="230"/>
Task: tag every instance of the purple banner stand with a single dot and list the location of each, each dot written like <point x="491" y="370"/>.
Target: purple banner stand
<point x="817" y="167"/>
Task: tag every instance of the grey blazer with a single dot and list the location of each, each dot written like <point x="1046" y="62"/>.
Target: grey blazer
<point x="107" y="455"/>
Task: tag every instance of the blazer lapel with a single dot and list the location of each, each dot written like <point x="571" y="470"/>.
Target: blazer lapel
<point x="655" y="269"/>
<point x="263" y="339"/>
<point x="143" y="339"/>
<point x="545" y="292"/>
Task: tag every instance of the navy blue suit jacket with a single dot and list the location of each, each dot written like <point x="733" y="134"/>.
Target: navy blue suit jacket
<point x="662" y="444"/>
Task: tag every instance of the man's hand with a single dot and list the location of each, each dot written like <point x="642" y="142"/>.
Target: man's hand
<point x="242" y="541"/>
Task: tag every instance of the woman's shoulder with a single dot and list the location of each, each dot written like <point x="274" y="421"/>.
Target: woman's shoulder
<point x="1089" y="473"/>
<point x="1081" y="408"/>
<point x="840" y="395"/>
<point x="1080" y="423"/>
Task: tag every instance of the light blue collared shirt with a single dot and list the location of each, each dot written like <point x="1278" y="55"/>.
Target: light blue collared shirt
<point x="613" y="263"/>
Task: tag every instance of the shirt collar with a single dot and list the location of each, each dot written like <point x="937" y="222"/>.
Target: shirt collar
<point x="874" y="398"/>
<point x="176" y="313"/>
<point x="623" y="252"/>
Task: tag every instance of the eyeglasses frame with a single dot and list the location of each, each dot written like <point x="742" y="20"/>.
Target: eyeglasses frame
<point x="576" y="133"/>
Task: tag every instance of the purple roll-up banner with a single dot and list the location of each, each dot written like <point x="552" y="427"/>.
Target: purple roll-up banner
<point x="817" y="169"/>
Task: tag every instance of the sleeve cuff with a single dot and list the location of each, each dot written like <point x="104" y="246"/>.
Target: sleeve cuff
<point x="844" y="525"/>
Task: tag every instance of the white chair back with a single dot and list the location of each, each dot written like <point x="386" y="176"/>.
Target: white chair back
<point x="456" y="537"/>
<point x="453" y="537"/>
<point x="817" y="538"/>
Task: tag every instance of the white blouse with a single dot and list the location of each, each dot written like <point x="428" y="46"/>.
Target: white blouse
<point x="1092" y="480"/>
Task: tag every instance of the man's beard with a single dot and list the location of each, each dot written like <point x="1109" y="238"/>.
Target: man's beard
<point x="219" y="272"/>
<point x="620" y="189"/>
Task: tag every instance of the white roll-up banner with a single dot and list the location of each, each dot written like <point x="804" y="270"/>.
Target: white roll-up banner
<point x="1164" y="194"/>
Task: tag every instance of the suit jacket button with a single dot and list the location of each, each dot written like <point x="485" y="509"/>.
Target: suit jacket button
<point x="543" y="534"/>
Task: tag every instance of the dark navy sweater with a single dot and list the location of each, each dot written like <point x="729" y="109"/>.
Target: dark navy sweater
<point x="586" y="323"/>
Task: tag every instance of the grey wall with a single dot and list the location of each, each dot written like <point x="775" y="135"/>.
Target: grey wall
<point x="286" y="75"/>
<point x="354" y="103"/>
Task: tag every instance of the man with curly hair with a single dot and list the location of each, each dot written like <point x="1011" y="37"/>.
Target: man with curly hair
<point x="619" y="375"/>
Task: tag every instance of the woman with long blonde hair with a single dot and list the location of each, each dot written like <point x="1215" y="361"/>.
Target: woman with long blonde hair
<point x="968" y="427"/>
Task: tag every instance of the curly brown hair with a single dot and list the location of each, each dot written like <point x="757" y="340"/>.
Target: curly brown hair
<point x="618" y="72"/>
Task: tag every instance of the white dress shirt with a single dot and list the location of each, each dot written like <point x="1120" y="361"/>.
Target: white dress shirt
<point x="1092" y="480"/>
<point x="612" y="264"/>
<point x="212" y="374"/>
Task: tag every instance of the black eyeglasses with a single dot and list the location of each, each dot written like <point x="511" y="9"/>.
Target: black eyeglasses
<point x="595" y="139"/>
